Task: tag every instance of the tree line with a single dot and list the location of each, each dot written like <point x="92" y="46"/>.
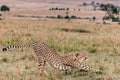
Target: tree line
<point x="56" y="8"/>
<point x="111" y="12"/>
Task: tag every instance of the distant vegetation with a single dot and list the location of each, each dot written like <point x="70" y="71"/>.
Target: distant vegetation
<point x="64" y="17"/>
<point x="111" y="12"/>
<point x="59" y="8"/>
<point x="4" y="9"/>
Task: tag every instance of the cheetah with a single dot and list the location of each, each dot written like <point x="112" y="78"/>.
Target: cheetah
<point x="46" y="54"/>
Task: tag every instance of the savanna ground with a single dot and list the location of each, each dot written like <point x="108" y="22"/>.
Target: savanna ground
<point x="100" y="42"/>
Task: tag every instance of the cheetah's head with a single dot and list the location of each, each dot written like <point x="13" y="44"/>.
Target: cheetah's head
<point x="80" y="57"/>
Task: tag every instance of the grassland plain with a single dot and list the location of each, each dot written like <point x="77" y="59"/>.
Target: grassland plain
<point x="101" y="42"/>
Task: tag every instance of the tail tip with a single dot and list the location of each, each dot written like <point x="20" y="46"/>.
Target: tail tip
<point x="4" y="49"/>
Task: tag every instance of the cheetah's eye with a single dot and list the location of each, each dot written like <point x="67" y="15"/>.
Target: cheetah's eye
<point x="77" y="54"/>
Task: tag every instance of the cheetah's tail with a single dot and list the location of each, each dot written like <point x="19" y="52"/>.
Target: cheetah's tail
<point x="14" y="46"/>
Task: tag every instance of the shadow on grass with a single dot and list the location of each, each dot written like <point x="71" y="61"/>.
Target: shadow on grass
<point x="75" y="30"/>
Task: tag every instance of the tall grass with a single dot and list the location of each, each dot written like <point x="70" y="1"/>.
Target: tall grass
<point x="101" y="46"/>
<point x="70" y="45"/>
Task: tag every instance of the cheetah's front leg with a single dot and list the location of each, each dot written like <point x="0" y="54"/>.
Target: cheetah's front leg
<point x="41" y="65"/>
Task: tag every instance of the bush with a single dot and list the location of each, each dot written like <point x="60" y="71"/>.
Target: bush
<point x="56" y="8"/>
<point x="84" y="4"/>
<point x="106" y="18"/>
<point x="5" y="8"/>
<point x="52" y="9"/>
<point x="73" y="17"/>
<point x="94" y="18"/>
<point x="67" y="9"/>
<point x="67" y="17"/>
<point x="115" y="19"/>
<point x="52" y="17"/>
<point x="59" y="17"/>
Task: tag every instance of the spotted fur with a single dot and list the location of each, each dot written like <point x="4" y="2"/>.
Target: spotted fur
<point x="44" y="54"/>
<point x="47" y="54"/>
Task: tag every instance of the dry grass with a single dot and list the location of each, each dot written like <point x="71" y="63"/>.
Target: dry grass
<point x="102" y="45"/>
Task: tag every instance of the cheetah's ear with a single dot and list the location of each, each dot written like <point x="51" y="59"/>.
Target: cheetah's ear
<point x="77" y="54"/>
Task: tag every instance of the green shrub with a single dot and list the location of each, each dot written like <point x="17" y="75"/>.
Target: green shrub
<point x="56" y="8"/>
<point x="115" y="19"/>
<point x="67" y="17"/>
<point x="94" y="18"/>
<point x="67" y="8"/>
<point x="59" y="17"/>
<point x="73" y="17"/>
